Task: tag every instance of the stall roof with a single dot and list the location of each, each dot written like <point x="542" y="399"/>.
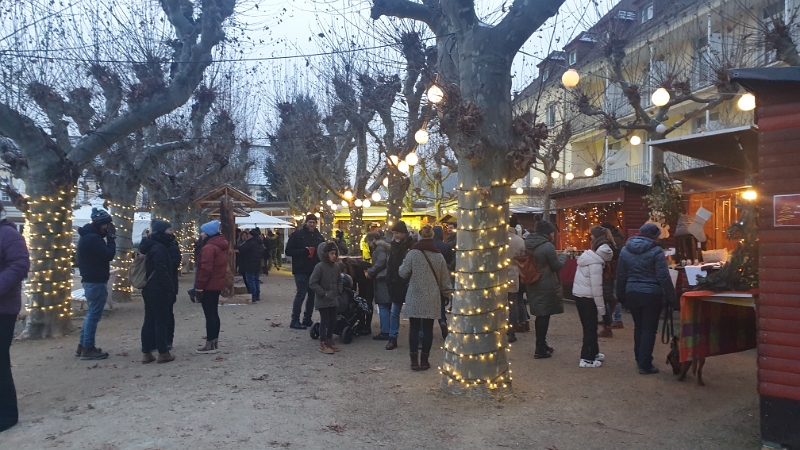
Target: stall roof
<point x="777" y="78"/>
<point x="731" y="148"/>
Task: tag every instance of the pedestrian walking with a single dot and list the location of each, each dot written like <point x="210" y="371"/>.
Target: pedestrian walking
<point x="326" y="283"/>
<point x="588" y="292"/>
<point x="158" y="293"/>
<point x="271" y="242"/>
<point x="619" y="242"/>
<point x="398" y="286"/>
<point x="644" y="286"/>
<point x="14" y="265"/>
<point x="96" y="249"/>
<point x="546" y="297"/>
<point x="380" y="261"/>
<point x="425" y="268"/>
<point x="517" y="315"/>
<point x="251" y="253"/>
<point x="212" y="271"/>
<point x="302" y="247"/>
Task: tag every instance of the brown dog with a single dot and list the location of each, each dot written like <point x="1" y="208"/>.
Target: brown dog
<point x="682" y="368"/>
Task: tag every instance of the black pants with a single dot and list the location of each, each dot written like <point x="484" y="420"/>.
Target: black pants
<point x="645" y="311"/>
<point x="9" y="415"/>
<point x="542" y="324"/>
<point x="210" y="304"/>
<point x="327" y="322"/>
<point x="156" y="322"/>
<point x="417" y="324"/>
<point x="171" y="323"/>
<point x="587" y="311"/>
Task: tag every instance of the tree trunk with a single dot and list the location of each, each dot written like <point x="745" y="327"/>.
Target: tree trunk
<point x="548" y="203"/>
<point x="398" y="185"/>
<point x="657" y="158"/>
<point x="476" y="350"/>
<point x="123" y="209"/>
<point x="328" y="217"/>
<point x="48" y="229"/>
<point x="356" y="229"/>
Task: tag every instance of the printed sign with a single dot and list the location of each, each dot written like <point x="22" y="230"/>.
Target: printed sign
<point x="787" y="210"/>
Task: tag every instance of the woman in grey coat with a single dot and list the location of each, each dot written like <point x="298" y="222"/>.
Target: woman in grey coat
<point x="379" y="250"/>
<point x="428" y="281"/>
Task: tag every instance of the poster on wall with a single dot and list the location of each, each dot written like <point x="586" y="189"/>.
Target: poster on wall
<point x="787" y="210"/>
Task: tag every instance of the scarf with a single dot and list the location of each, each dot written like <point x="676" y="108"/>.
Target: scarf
<point x="427" y="245"/>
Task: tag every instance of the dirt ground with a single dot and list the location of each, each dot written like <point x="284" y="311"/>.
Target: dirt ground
<point x="270" y="388"/>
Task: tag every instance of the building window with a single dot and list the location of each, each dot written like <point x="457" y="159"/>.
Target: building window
<point x="573" y="58"/>
<point x="261" y="195"/>
<point x="4" y="196"/>
<point x="550" y="119"/>
<point x="545" y="73"/>
<point x="626" y="15"/>
<point x="646" y="12"/>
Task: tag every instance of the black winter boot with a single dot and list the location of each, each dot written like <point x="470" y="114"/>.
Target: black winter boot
<point x="415" y="362"/>
<point x="423" y="362"/>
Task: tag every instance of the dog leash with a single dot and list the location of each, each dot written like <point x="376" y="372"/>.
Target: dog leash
<point x="667" y="327"/>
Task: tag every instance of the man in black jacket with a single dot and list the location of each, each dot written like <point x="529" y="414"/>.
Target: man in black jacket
<point x="96" y="249"/>
<point x="159" y="292"/>
<point x="398" y="286"/>
<point x="302" y="247"/>
<point x="251" y="253"/>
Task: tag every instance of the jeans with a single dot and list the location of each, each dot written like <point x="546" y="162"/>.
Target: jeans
<point x="645" y="311"/>
<point x="9" y="414"/>
<point x="542" y="324"/>
<point x="424" y="326"/>
<point x="327" y="322"/>
<point x="516" y="309"/>
<point x="384" y="312"/>
<point x="96" y="296"/>
<point x="618" y="313"/>
<point x="251" y="279"/>
<point x="301" y="281"/>
<point x="155" y="329"/>
<point x="587" y="311"/>
<point x="210" y="304"/>
<point x="394" y="320"/>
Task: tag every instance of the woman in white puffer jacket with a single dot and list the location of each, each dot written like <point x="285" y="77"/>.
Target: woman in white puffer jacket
<point x="588" y="290"/>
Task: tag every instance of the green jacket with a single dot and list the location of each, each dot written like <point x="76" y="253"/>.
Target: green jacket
<point x="545" y="297"/>
<point x="325" y="281"/>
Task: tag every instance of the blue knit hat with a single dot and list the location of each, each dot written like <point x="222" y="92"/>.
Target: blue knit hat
<point x="650" y="230"/>
<point x="100" y="217"/>
<point x="210" y="228"/>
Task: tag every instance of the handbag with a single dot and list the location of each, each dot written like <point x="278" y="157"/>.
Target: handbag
<point x="529" y="272"/>
<point x="444" y="298"/>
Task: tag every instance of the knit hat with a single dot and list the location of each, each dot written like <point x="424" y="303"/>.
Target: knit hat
<point x="312" y="217"/>
<point x="255" y="232"/>
<point x="210" y="228"/>
<point x="426" y="232"/>
<point x="400" y="227"/>
<point x="160" y="226"/>
<point x="650" y="230"/>
<point x="100" y="217"/>
<point x="545" y="227"/>
<point x="373" y="236"/>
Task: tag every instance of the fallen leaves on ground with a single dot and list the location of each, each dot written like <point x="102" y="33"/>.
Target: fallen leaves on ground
<point x="337" y="428"/>
<point x="260" y="378"/>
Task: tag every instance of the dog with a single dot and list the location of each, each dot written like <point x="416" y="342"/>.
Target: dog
<point x="682" y="368"/>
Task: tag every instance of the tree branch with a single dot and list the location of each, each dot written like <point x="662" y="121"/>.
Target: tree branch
<point x="407" y="9"/>
<point x="524" y="17"/>
<point x="112" y="89"/>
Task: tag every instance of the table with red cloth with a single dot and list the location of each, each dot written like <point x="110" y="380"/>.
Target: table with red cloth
<point x="567" y="273"/>
<point x="717" y="323"/>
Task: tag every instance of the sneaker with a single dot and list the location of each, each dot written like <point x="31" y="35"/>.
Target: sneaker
<point x="79" y="351"/>
<point x="297" y="326"/>
<point x="92" y="353"/>
<point x="651" y="371"/>
<point x="325" y="349"/>
<point x="165" y="358"/>
<point x="381" y="337"/>
<point x="617" y="325"/>
<point x="600" y="357"/>
<point x="590" y="364"/>
<point x="307" y="323"/>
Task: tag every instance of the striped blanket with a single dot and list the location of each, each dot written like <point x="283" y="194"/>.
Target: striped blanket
<point x="710" y="328"/>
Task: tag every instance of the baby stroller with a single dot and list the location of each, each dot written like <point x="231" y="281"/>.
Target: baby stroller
<point x="351" y="315"/>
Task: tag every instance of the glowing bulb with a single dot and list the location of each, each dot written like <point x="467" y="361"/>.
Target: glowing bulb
<point x="536" y="181"/>
<point x="376" y="196"/>
<point x="366" y="203"/>
<point x="520" y="191"/>
<point x="660" y="97"/>
<point x="571" y="78"/>
<point x="588" y="172"/>
<point x="555" y="175"/>
<point x="661" y="128"/>
<point x="348" y="194"/>
<point x="412" y="159"/>
<point x="358" y="203"/>
<point x="747" y="102"/>
<point x="386" y="182"/>
<point x="435" y="94"/>
<point x="421" y="136"/>
<point x="636" y="140"/>
<point x="329" y="202"/>
<point x="749" y="195"/>
<point x="394" y="159"/>
<point x="570" y="176"/>
<point x="402" y="166"/>
<point x="344" y="203"/>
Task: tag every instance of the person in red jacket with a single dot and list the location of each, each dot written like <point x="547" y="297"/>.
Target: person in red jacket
<point x="212" y="270"/>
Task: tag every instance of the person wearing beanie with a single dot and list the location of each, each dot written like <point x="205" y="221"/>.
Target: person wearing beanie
<point x="164" y="232"/>
<point x="14" y="265"/>
<point x="545" y="297"/>
<point x="340" y="242"/>
<point x="609" y="285"/>
<point x="380" y="250"/>
<point x="210" y="280"/>
<point x="159" y="292"/>
<point x="96" y="249"/>
<point x="302" y="248"/>
<point x="589" y="301"/>
<point x="429" y="282"/>
<point x="398" y="286"/>
<point x="251" y="253"/>
<point x="644" y="286"/>
<point x="326" y="283"/>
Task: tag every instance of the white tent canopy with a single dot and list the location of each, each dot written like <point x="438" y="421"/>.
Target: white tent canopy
<point x="261" y="220"/>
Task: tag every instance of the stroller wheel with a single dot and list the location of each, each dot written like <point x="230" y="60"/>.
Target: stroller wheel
<point x="347" y="335"/>
<point x="314" y="331"/>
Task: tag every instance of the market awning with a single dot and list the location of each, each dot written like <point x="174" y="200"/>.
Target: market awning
<point x="732" y="147"/>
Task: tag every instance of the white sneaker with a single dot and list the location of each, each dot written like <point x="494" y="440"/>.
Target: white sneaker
<point x="592" y="364"/>
<point x="600" y="357"/>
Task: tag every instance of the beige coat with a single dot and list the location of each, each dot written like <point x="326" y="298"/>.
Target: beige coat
<point x="516" y="247"/>
<point x="423" y="299"/>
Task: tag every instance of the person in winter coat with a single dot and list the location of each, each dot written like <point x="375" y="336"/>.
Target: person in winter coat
<point x="326" y="283"/>
<point x="545" y="297"/>
<point x="588" y="292"/>
<point x="158" y="293"/>
<point x="302" y="247"/>
<point x="380" y="258"/>
<point x="14" y="265"/>
<point x="96" y="249"/>
<point x="340" y="242"/>
<point x="175" y="257"/>
<point x="251" y="252"/>
<point x="516" y="307"/>
<point x="428" y="276"/>
<point x="212" y="273"/>
<point x="450" y="258"/>
<point x="271" y="242"/>
<point x="602" y="236"/>
<point x="619" y="242"/>
<point x="644" y="286"/>
<point x="398" y="286"/>
<point x="365" y="251"/>
<point x="452" y="231"/>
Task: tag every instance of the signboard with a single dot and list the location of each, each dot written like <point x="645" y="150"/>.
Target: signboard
<point x="787" y="210"/>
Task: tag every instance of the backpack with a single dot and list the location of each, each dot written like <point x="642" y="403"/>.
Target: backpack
<point x="138" y="271"/>
<point x="529" y="272"/>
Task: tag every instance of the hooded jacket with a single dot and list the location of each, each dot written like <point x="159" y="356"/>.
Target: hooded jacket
<point x="545" y="297"/>
<point x="212" y="267"/>
<point x="159" y="265"/>
<point x="251" y="253"/>
<point x="95" y="255"/>
<point x="380" y="260"/>
<point x="398" y="286"/>
<point x="589" y="276"/>
<point x="298" y="248"/>
<point x="643" y="268"/>
<point x="325" y="281"/>
<point x="424" y="295"/>
<point x="14" y="265"/>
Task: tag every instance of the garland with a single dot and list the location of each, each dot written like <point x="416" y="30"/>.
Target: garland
<point x="664" y="199"/>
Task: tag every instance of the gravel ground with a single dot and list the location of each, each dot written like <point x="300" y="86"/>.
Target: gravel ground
<point x="270" y="388"/>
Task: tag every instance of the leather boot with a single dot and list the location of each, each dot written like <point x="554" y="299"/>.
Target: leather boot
<point x="414" y="362"/>
<point x="331" y="345"/>
<point x="147" y="358"/>
<point x="392" y="344"/>
<point x="165" y="358"/>
<point x="605" y="332"/>
<point x="423" y="362"/>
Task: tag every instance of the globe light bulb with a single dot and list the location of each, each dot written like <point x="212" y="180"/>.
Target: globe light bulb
<point x="536" y="181"/>
<point x="348" y="194"/>
<point x="344" y="203"/>
<point x="636" y="140"/>
<point x="402" y="166"/>
<point x="412" y="159"/>
<point x="749" y="195"/>
<point x="747" y="102"/>
<point x="570" y="78"/>
<point x="386" y="182"/>
<point x="555" y="175"/>
<point x="329" y="202"/>
<point x="520" y="191"/>
<point x="661" y="128"/>
<point x="588" y="172"/>
<point x="393" y="159"/>
<point x="435" y="94"/>
<point x="421" y="136"/>
<point x="660" y="97"/>
<point x="570" y="176"/>
<point x="376" y="196"/>
<point x="366" y="203"/>
<point x="358" y="203"/>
